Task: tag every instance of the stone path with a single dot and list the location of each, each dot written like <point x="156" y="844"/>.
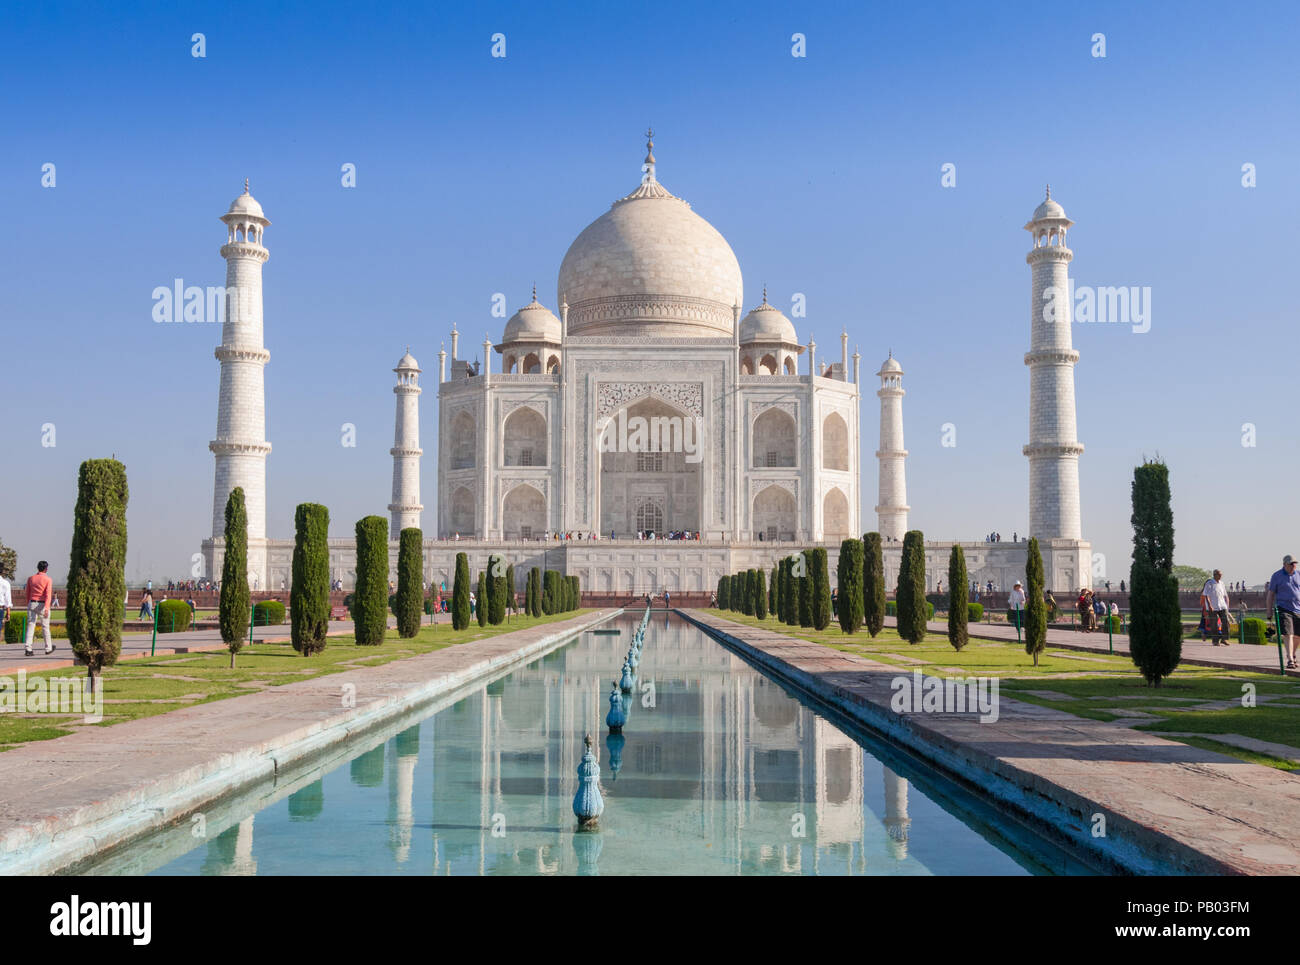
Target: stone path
<point x="136" y="645"/>
<point x="1237" y="656"/>
<point x="69" y="797"/>
<point x="1168" y="807"/>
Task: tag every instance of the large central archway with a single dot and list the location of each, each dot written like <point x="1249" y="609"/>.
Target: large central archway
<point x="650" y="470"/>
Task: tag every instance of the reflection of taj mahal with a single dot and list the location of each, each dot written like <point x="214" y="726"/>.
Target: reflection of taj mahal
<point x="653" y="402"/>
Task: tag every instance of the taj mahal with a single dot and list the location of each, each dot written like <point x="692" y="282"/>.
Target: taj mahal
<point x="650" y="401"/>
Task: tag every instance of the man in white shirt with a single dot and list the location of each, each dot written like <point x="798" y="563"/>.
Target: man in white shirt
<point x="1016" y="603"/>
<point x="6" y="599"/>
<point x="1214" y="603"/>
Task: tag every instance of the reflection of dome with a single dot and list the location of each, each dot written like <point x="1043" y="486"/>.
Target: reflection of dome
<point x="532" y="323"/>
<point x="766" y="323"/>
<point x="650" y="265"/>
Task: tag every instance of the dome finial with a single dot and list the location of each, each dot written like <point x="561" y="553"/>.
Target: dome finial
<point x="534" y="291"/>
<point x="764" y="293"/>
<point x="245" y="185"/>
<point x="1049" y="193"/>
<point x="649" y="154"/>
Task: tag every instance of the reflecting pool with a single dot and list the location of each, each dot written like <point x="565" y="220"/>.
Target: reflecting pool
<point x="719" y="770"/>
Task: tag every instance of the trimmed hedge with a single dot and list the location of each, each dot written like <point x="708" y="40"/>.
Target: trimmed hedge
<point x="269" y="613"/>
<point x="234" y="598"/>
<point x="96" y="570"/>
<point x="173" y="616"/>
<point x="1256" y="630"/>
<point x="309" y="598"/>
<point x="974" y="612"/>
<point x="891" y="609"/>
<point x="410" y="581"/>
<point x="14" y="628"/>
<point x="460" y="594"/>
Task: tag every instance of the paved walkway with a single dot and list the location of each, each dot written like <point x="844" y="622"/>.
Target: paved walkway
<point x="1168" y="807"/>
<point x="1236" y="656"/>
<point x="68" y="798"/>
<point x="136" y="645"/>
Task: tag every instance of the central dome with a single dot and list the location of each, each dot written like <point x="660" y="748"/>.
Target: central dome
<point x="650" y="266"/>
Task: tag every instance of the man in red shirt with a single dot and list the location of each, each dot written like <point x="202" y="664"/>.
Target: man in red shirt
<point x="40" y="593"/>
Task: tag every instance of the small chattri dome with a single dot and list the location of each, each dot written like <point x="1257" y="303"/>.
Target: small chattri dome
<point x="1048" y="209"/>
<point x="407" y="362"/>
<point x="890" y="366"/>
<point x="533" y="323"/>
<point x="246" y="205"/>
<point x="766" y="323"/>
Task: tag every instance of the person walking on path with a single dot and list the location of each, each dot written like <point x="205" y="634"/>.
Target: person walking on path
<point x="40" y="592"/>
<point x="6" y="599"/>
<point x="146" y="604"/>
<point x="1284" y="594"/>
<point x="1016" y="604"/>
<point x="1214" y="603"/>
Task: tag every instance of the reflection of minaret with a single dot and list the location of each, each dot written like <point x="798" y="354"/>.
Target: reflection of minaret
<point x="401" y="789"/>
<point x="231" y="852"/>
<point x="896" y="819"/>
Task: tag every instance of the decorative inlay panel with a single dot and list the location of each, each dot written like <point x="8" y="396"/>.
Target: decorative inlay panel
<point x="612" y="396"/>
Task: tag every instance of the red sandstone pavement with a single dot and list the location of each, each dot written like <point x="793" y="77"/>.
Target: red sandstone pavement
<point x="1168" y="806"/>
<point x="136" y="645"/>
<point x="1235" y="656"/>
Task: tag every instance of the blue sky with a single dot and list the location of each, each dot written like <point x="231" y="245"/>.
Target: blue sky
<point x="475" y="173"/>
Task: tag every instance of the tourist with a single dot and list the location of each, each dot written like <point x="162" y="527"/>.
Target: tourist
<point x="1016" y="604"/>
<point x="666" y="599"/>
<point x="1099" y="609"/>
<point x="40" y="591"/>
<point x="1121" y="587"/>
<point x="146" y="604"/>
<point x="1214" y="604"/>
<point x="1284" y="595"/>
<point x="6" y="598"/>
<point x="1050" y="602"/>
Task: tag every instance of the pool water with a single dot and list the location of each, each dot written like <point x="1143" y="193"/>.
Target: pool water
<point x="720" y="771"/>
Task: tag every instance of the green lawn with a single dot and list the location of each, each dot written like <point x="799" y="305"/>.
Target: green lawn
<point x="1093" y="685"/>
<point x="155" y="685"/>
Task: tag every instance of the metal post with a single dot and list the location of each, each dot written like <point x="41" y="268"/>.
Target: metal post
<point x="1281" y="664"/>
<point x="252" y="613"/>
<point x="153" y="646"/>
<point x="1017" y="625"/>
<point x="1110" y="632"/>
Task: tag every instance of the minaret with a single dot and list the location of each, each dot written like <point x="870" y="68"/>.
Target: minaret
<point x="240" y="446"/>
<point x="891" y="514"/>
<point x="844" y="355"/>
<point x="405" y="507"/>
<point x="1054" y="447"/>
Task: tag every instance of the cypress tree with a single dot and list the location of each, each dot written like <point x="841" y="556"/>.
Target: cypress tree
<point x="911" y="602"/>
<point x="733" y="593"/>
<point x="532" y="606"/>
<point x="309" y="599"/>
<point x="958" y="594"/>
<point x="848" y="577"/>
<point x="511" y="588"/>
<point x="410" y="581"/>
<point x="1155" y="625"/>
<point x="873" y="583"/>
<point x="551" y="592"/>
<point x="370" y="604"/>
<point x="496" y="589"/>
<point x="537" y="592"/>
<point x="577" y="591"/>
<point x="821" y="590"/>
<point x="1035" y="607"/>
<point x="460" y="594"/>
<point x="481" y="604"/>
<point x="746" y="594"/>
<point x="803" y="573"/>
<point x="774" y="591"/>
<point x="724" y="597"/>
<point x="783" y="580"/>
<point x="760" y="594"/>
<point x="233" y="610"/>
<point x="97" y="567"/>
